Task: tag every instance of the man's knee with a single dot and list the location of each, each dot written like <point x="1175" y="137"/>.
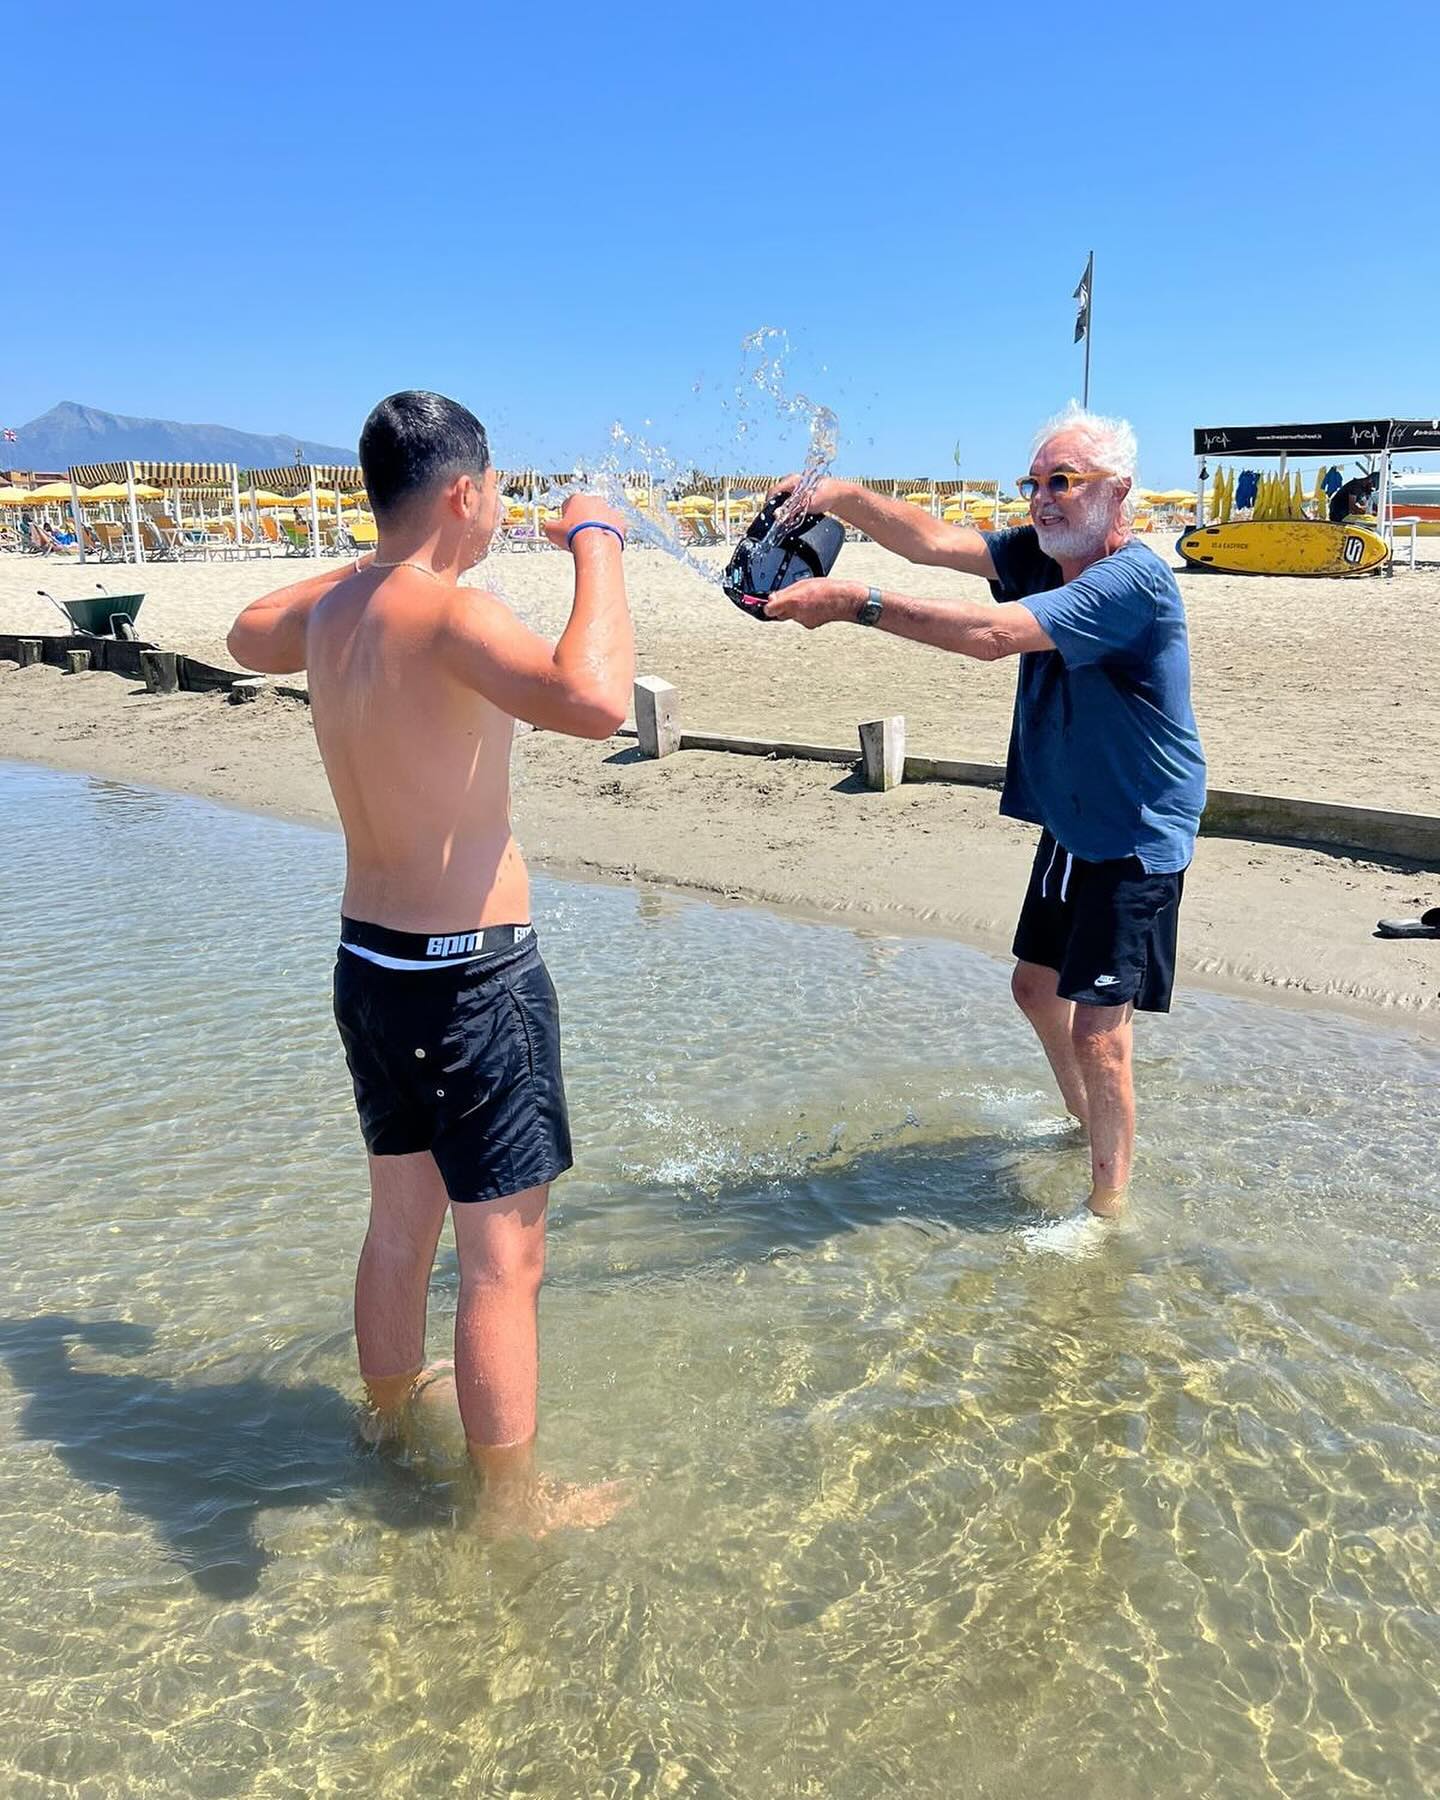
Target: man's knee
<point x="1101" y="1037"/>
<point x="512" y="1269"/>
<point x="1033" y="987"/>
<point x="397" y="1250"/>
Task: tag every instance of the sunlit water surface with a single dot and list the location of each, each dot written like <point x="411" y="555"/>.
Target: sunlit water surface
<point x="917" y="1512"/>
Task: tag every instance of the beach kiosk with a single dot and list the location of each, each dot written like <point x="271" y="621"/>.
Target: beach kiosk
<point x="1287" y="543"/>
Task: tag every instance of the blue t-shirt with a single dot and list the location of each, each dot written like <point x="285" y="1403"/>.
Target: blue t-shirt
<point x="1104" y="752"/>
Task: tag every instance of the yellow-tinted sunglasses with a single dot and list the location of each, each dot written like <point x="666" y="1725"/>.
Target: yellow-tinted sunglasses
<point x="1061" y="482"/>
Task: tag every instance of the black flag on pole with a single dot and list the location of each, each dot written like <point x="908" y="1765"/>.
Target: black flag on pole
<point x="1082" y="294"/>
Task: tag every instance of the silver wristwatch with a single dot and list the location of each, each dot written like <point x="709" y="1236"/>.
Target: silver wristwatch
<point x="869" y="613"/>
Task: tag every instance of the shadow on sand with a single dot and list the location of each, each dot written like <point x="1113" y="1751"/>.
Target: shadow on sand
<point x="980" y="1183"/>
<point x="200" y="1460"/>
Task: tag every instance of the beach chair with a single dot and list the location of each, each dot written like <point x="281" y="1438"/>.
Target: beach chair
<point x="158" y="547"/>
<point x="114" y="546"/>
<point x="182" y="545"/>
<point x="227" y="540"/>
<point x="270" y="533"/>
<point x="698" y="531"/>
<point x="297" y="536"/>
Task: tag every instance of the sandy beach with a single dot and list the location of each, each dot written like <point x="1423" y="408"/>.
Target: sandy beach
<point x="1324" y="689"/>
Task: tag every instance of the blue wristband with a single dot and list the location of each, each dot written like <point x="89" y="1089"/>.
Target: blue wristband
<point x="593" y="525"/>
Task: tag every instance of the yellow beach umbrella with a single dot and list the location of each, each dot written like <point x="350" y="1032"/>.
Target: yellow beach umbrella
<point x="264" y="497"/>
<point x="1174" y="497"/>
<point x="13" y="496"/>
<point x="117" y="490"/>
<point x="50" y="491"/>
<point x="326" y="498"/>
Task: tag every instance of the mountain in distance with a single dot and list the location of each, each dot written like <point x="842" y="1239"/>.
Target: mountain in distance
<point x="83" y="434"/>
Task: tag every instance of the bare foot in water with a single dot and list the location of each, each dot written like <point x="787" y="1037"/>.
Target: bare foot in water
<point x="430" y="1398"/>
<point x="547" y="1505"/>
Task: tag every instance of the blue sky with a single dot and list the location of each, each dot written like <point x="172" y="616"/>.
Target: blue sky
<point x="269" y="216"/>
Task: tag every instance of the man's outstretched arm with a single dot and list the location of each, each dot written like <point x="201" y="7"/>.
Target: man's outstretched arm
<point x="967" y="627"/>
<point x="270" y="634"/>
<point x="901" y="527"/>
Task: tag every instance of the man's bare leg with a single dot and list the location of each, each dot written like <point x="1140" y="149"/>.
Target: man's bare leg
<point x="501" y="1244"/>
<point x="408" y="1203"/>
<point x="1103" y="1037"/>
<point x="1052" y="1020"/>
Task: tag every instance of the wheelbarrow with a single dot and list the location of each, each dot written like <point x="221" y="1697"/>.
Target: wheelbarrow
<point x="106" y="615"/>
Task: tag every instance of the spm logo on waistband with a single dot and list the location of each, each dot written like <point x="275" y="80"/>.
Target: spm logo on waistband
<point x="462" y="945"/>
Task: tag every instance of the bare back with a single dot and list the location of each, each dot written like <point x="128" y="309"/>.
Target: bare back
<point x="419" y="764"/>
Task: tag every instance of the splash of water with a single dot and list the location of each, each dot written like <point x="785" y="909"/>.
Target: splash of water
<point x="771" y="348"/>
<point x="636" y="474"/>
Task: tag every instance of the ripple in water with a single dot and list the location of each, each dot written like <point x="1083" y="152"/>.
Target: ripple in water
<point x="919" y="1513"/>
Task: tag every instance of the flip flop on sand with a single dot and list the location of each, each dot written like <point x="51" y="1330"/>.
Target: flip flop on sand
<point x="1426" y="926"/>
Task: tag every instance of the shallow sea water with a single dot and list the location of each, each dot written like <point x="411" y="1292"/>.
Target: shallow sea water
<point x="917" y="1513"/>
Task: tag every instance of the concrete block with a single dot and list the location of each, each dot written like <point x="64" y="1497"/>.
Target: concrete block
<point x="882" y="753"/>
<point x="657" y="716"/>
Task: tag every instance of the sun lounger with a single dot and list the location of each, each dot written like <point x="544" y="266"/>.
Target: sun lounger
<point x="182" y="544"/>
<point x="158" y="546"/>
<point x="114" y="546"/>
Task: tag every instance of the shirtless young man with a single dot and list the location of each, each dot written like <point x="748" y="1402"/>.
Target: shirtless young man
<point x="447" y="1014"/>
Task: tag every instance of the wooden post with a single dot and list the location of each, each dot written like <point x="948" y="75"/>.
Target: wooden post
<point x="160" y="671"/>
<point x="882" y="753"/>
<point x="77" y="662"/>
<point x="657" y="716"/>
<point x="31" y="651"/>
<point x="248" y="688"/>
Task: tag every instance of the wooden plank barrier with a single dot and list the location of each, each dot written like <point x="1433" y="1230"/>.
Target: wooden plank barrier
<point x="1325" y="824"/>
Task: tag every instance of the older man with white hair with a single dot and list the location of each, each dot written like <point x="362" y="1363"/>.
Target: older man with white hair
<point x="1104" y="754"/>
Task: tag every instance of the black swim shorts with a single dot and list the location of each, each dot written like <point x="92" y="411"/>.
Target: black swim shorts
<point x="1106" y="928"/>
<point x="453" y="1043"/>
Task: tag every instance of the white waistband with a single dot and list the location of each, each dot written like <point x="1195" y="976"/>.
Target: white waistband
<point x="381" y="960"/>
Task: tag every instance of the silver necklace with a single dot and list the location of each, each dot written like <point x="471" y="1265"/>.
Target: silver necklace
<point x="424" y="568"/>
<point x="402" y="564"/>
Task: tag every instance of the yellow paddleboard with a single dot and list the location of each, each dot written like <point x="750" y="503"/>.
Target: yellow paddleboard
<point x="1284" y="547"/>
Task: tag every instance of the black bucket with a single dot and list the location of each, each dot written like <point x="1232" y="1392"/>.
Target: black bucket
<point x="805" y="550"/>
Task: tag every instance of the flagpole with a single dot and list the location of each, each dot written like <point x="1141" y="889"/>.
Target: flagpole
<point x="1089" y="322"/>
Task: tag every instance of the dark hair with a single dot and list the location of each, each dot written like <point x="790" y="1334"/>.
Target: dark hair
<point x="414" y="441"/>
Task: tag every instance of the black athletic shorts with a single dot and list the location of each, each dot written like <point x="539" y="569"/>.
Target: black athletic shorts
<point x="1106" y="928"/>
<point x="453" y="1042"/>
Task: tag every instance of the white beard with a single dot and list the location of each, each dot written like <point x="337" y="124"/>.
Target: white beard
<point x="1084" y="536"/>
